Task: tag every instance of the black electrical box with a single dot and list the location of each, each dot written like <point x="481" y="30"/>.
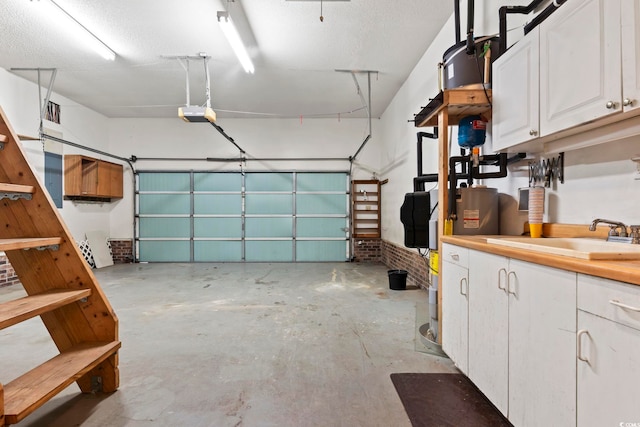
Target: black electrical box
<point x="415" y="213"/>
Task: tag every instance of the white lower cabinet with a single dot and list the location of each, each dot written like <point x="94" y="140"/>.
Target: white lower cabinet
<point x="488" y="327"/>
<point x="455" y="290"/>
<point x="542" y="345"/>
<point x="522" y="341"/>
<point x="608" y="353"/>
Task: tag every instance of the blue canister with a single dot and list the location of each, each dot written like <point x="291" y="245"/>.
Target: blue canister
<point x="472" y="131"/>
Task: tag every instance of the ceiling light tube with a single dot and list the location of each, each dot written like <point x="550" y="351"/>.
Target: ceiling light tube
<point x="98" y="45"/>
<point x="230" y="32"/>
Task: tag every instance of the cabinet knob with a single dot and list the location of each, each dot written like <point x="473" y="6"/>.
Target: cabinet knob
<point x="628" y="102"/>
<point x="533" y="132"/>
<point x="611" y="105"/>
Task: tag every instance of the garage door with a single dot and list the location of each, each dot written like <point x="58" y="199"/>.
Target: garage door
<point x="233" y="216"/>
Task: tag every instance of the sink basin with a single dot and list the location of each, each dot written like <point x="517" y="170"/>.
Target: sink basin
<point x="575" y="247"/>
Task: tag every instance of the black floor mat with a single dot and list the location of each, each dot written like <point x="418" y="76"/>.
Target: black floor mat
<point x="434" y="400"/>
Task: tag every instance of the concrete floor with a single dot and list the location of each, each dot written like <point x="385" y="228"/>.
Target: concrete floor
<point x="242" y="345"/>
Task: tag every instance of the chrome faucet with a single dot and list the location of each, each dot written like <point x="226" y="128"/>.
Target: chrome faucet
<point x="613" y="224"/>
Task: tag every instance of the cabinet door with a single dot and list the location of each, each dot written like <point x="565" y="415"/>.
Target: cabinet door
<point x="580" y="64"/>
<point x="109" y="180"/>
<point x="608" y="380"/>
<point x="488" y="326"/>
<point x="516" y="94"/>
<point x="455" y="322"/>
<point x="542" y="345"/>
<point x="630" y="54"/>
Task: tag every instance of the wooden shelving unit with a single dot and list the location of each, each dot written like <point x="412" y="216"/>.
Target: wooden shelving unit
<point x="365" y="209"/>
<point x="445" y="110"/>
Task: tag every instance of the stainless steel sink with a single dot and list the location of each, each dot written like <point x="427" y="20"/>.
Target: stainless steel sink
<point x="575" y="247"/>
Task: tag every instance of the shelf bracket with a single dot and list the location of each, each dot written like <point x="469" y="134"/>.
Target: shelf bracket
<point x="15" y="196"/>
<point x="45" y="247"/>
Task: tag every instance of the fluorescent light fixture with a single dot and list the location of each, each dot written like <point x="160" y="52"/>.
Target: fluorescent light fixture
<point x="87" y="36"/>
<point x="231" y="33"/>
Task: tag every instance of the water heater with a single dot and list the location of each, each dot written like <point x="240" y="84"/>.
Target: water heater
<point x="477" y="211"/>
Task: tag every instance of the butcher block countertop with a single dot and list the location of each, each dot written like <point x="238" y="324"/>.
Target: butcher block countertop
<point x="622" y="271"/>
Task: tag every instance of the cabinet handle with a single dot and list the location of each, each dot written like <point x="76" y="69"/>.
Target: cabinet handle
<point x="625" y="306"/>
<point x="610" y="105"/>
<point x="581" y="332"/>
<point x="454" y="256"/>
<point x="500" y="272"/>
<point x="627" y="102"/>
<point x="509" y="282"/>
<point x="533" y="132"/>
<point x="464" y="279"/>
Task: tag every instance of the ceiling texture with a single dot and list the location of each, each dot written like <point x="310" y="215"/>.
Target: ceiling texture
<point x="296" y="55"/>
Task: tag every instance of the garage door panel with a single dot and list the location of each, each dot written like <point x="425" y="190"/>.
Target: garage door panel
<point x="321" y="204"/>
<point x="165" y="227"/>
<point x="321" y="182"/>
<point x="217" y="204"/>
<point x="165" y="204"/>
<point x="165" y="250"/>
<point x="217" y="227"/>
<point x="321" y="250"/>
<point x="217" y="251"/>
<point x="321" y="227"/>
<point x="269" y="250"/>
<point x="269" y="181"/>
<point x="165" y="181"/>
<point x="214" y="181"/>
<point x="269" y="204"/>
<point x="269" y="227"/>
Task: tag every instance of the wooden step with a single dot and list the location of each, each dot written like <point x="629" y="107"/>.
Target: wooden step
<point x="27" y="393"/>
<point x="28" y="243"/>
<point x="15" y="192"/>
<point x="15" y="188"/>
<point x="16" y="311"/>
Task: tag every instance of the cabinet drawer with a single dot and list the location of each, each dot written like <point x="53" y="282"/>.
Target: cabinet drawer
<point x="616" y="301"/>
<point x="455" y="255"/>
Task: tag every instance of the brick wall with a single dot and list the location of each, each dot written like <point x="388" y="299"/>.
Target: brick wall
<point x="367" y="250"/>
<point x="7" y="274"/>
<point x="122" y="251"/>
<point x="401" y="258"/>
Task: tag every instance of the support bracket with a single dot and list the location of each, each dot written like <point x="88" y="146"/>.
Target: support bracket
<point x="15" y="196"/>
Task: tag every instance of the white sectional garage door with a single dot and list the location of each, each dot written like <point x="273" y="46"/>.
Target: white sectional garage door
<point x="251" y="216"/>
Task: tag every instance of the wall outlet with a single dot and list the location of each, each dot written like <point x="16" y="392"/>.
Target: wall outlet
<point x="636" y="159"/>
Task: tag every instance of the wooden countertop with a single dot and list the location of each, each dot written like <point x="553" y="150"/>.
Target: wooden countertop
<point x="622" y="271"/>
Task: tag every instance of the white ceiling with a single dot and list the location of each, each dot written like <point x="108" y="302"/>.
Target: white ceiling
<point x="295" y="55"/>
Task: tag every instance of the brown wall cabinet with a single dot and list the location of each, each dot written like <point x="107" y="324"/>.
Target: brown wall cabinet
<point x="86" y="178"/>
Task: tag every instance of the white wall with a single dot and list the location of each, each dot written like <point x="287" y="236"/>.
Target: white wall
<point x="19" y="100"/>
<point x="599" y="181"/>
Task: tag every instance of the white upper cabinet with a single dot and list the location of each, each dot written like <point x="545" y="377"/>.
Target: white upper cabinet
<point x="630" y="54"/>
<point x="515" y="94"/>
<point x="580" y="64"/>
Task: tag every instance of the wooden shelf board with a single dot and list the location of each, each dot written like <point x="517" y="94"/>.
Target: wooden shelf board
<point x="366" y="235"/>
<point x="28" y="243"/>
<point x="30" y="391"/>
<point x="16" y="311"/>
<point x="28" y="138"/>
<point x="460" y="103"/>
